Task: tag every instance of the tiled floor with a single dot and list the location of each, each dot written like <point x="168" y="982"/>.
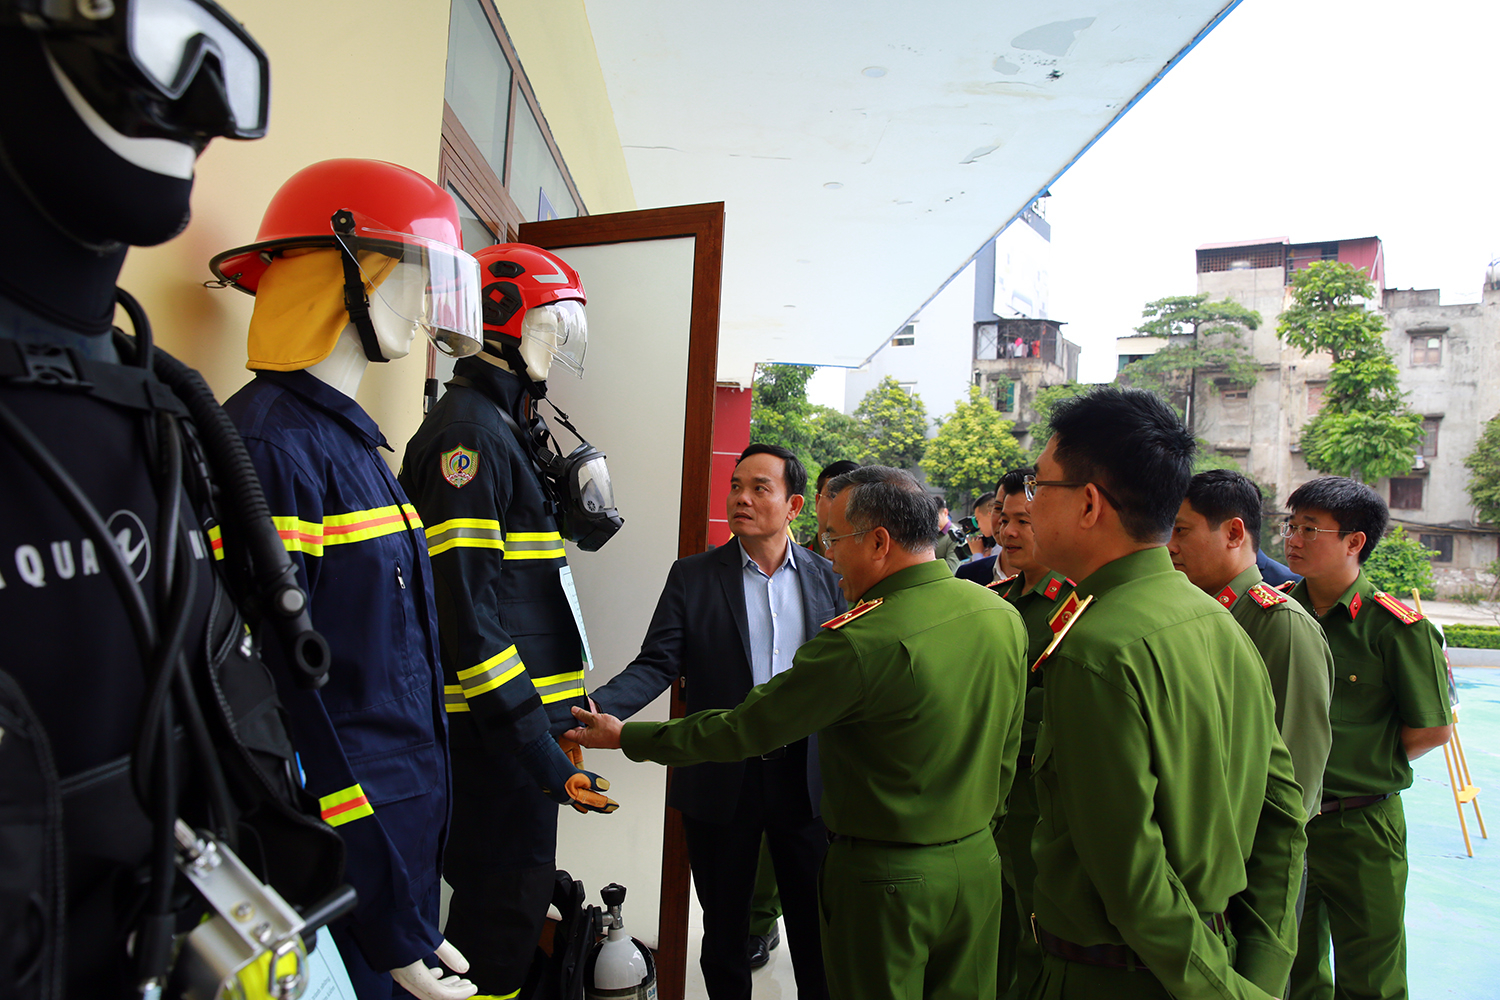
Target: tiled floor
<point x="771" y="982"/>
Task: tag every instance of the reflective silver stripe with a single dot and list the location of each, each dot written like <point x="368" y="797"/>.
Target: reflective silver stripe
<point x="559" y="687"/>
<point x="453" y="698"/>
<point x="534" y="545"/>
<point x="492" y="673"/>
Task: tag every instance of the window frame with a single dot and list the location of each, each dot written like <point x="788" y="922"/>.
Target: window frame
<point x="1417" y="483"/>
<point x="1440" y="538"/>
<point x="1423" y="337"/>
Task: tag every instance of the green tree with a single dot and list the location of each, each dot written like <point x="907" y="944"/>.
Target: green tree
<point x="1400" y="563"/>
<point x="779" y="409"/>
<point x="1201" y="336"/>
<point x="1484" y="463"/>
<point x="895" y="426"/>
<point x="835" y="437"/>
<point x="973" y="448"/>
<point x="1364" y="429"/>
<point x="1042" y="404"/>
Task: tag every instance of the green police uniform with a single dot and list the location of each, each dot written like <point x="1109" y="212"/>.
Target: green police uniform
<point x="1297" y="657"/>
<point x="1169" y="848"/>
<point x="1020" y="955"/>
<point x="1389" y="672"/>
<point x="917" y="700"/>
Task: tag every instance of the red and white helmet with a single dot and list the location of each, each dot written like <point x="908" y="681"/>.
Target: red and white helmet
<point x="532" y="294"/>
<point x="363" y="206"/>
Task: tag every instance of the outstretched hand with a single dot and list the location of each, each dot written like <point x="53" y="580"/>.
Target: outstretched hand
<point x="432" y="984"/>
<point x="597" y="730"/>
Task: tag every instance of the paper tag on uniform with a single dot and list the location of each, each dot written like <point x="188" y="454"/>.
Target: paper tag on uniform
<point x="326" y="977"/>
<point x="566" y="573"/>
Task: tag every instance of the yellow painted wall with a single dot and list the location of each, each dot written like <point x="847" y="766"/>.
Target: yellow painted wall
<point x="557" y="51"/>
<point x="358" y="78"/>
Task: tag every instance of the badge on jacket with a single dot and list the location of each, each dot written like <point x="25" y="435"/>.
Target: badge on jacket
<point x="459" y="466"/>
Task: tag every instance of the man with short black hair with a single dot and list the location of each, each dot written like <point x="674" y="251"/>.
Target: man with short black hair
<point x="1214" y="542"/>
<point x="1169" y="849"/>
<point x="1039" y="593"/>
<point x="916" y="696"/>
<point x="820" y="503"/>
<point x="1390" y="706"/>
<point x="728" y="620"/>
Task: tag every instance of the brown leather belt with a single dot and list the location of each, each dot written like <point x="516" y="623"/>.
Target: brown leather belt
<point x="1353" y="802"/>
<point x="1108" y="956"/>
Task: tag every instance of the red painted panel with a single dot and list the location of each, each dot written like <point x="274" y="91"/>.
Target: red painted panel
<point x="731" y="436"/>
<point x="1368" y="255"/>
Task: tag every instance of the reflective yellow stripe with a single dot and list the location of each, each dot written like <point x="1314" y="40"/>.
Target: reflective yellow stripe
<point x="216" y="542"/>
<point x="345" y="806"/>
<point x="490" y="674"/>
<point x="465" y="533"/>
<point x="453" y="698"/>
<point x="310" y="537"/>
<point x="559" y="687"/>
<point x="534" y="545"/>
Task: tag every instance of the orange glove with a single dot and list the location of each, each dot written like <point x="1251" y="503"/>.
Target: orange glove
<point x="583" y="787"/>
<point x="573" y="751"/>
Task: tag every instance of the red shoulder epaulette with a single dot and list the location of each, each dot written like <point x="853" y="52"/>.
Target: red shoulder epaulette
<point x="1266" y="597"/>
<point x="1286" y="588"/>
<point x="1407" y="616"/>
<point x="853" y="613"/>
<point x="1000" y="583"/>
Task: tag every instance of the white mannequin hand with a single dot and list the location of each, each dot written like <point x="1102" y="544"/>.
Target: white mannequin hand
<point x="430" y="984"/>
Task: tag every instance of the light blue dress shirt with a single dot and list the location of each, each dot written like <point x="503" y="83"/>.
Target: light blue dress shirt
<point x="773" y="605"/>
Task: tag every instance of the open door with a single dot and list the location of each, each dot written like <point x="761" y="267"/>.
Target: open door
<point x="647" y="401"/>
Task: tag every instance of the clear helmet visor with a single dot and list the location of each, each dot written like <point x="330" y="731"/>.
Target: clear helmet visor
<point x="595" y="493"/>
<point x="432" y="285"/>
<point x="562" y="329"/>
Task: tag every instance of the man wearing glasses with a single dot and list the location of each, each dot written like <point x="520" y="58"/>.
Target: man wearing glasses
<point x="1169" y="845"/>
<point x="1390" y="706"/>
<point x="916" y="696"/>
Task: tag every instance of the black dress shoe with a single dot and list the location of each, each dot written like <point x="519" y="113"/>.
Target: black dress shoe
<point x="760" y="946"/>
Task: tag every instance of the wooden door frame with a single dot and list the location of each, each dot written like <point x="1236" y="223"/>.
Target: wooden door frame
<point x="705" y="224"/>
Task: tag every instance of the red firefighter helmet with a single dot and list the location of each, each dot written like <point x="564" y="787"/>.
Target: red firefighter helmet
<point x="363" y="206"/>
<point x="530" y="292"/>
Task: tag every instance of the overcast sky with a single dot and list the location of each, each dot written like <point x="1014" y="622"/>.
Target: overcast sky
<point x="1310" y="119"/>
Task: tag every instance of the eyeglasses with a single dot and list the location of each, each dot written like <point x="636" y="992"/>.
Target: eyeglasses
<point x="1305" y="532"/>
<point x="827" y="540"/>
<point x="1030" y="483"/>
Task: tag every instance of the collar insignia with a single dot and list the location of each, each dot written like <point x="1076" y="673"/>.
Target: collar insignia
<point x="459" y="466"/>
<point x="1053" y="589"/>
<point x="1061" y="621"/>
<point x="853" y="613"/>
<point x="1226" y="596"/>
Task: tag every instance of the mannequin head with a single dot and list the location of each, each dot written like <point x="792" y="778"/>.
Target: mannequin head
<point x="533" y="311"/>
<point x="96" y="153"/>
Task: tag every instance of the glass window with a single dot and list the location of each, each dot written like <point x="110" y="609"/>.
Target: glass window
<point x="478" y="83"/>
<point x="1005" y="397"/>
<point x="1406" y="494"/>
<point x="1426" y="350"/>
<point x="477" y="235"/>
<point x="536" y="185"/>
<point x="1441" y="544"/>
<point x="905" y="337"/>
<point x="1430" y="436"/>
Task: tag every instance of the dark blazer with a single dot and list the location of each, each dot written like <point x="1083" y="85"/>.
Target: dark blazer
<point x="701" y="633"/>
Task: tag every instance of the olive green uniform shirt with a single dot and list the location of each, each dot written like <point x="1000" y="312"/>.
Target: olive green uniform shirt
<point x="1300" y="665"/>
<point x="1037" y="605"/>
<point x="1386" y="674"/>
<point x="917" y="705"/>
<point x="1166" y="794"/>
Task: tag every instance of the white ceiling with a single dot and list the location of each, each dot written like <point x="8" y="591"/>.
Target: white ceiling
<point x="852" y="195"/>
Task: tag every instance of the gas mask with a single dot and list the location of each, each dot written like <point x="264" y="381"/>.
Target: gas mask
<point x="578" y="484"/>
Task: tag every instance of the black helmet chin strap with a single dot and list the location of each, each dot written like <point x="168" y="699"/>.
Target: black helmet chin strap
<point x="356" y="301"/>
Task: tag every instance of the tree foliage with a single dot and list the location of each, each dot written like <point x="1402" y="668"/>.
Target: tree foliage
<point x="835" y="437"/>
<point x="894" y="426"/>
<point x="973" y="448"/>
<point x="1400" y="563"/>
<point x="779" y="409"/>
<point x="1043" y="403"/>
<point x="1201" y="336"/>
<point x="1484" y="464"/>
<point x="1364" y="429"/>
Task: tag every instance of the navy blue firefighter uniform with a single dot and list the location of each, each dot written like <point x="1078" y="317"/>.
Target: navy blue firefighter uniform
<point x="372" y="742"/>
<point x="512" y="662"/>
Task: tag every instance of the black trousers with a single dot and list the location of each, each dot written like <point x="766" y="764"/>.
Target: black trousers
<point x="500" y="862"/>
<point x="723" y="856"/>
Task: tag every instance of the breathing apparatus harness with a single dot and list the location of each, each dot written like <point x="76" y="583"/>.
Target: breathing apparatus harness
<point x="243" y="786"/>
<point x="577" y="485"/>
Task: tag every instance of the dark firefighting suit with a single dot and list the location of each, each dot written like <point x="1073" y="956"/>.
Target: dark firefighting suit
<point x="372" y="742"/>
<point x="512" y="664"/>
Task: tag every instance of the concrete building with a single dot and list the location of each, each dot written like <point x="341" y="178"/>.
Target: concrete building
<point x="960" y="337"/>
<point x="1449" y="359"/>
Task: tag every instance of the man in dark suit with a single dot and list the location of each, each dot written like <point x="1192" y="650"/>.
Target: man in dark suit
<point x="727" y="620"/>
